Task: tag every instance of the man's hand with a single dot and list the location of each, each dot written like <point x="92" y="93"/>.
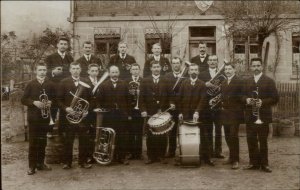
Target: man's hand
<point x="144" y="114"/>
<point x="258" y="103"/>
<point x="249" y="101"/>
<point x="84" y="114"/>
<point x="57" y="71"/>
<point x="49" y="103"/>
<point x="69" y="110"/>
<point x="196" y="117"/>
<point x="129" y="118"/>
<point x="38" y="104"/>
<point x="180" y="117"/>
<point x="172" y="106"/>
<point x="209" y="85"/>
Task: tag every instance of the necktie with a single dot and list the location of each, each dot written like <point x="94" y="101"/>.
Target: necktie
<point x="88" y="58"/>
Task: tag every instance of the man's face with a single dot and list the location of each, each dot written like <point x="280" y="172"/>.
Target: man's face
<point x="75" y="70"/>
<point x="202" y="49"/>
<point x="193" y="71"/>
<point x="93" y="72"/>
<point x="155" y="69"/>
<point x="62" y="46"/>
<point x="87" y="49"/>
<point x="41" y="71"/>
<point x="114" y="73"/>
<point x="156" y="50"/>
<point x="135" y="70"/>
<point x="256" y="67"/>
<point x="122" y="48"/>
<point x="229" y="71"/>
<point x="176" y="65"/>
<point x="212" y="62"/>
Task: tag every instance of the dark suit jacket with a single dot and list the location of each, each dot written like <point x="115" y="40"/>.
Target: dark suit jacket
<point x="132" y="99"/>
<point x="202" y="65"/>
<point x="84" y="64"/>
<point x="111" y="98"/>
<point x="191" y="98"/>
<point x="64" y="97"/>
<point x="233" y="112"/>
<point x="154" y="96"/>
<point x="267" y="93"/>
<point x="117" y="61"/>
<point x="55" y="60"/>
<point x="164" y="63"/>
<point x="32" y="93"/>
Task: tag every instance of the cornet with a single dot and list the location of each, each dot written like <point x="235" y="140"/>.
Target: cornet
<point x="255" y="108"/>
<point x="134" y="86"/>
<point x="45" y="111"/>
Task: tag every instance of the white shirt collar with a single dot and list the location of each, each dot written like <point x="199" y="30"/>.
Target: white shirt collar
<point x="202" y="56"/>
<point x="114" y="80"/>
<point x="230" y="78"/>
<point x="212" y="70"/>
<point x="120" y="54"/>
<point x="156" y="57"/>
<point x="176" y="74"/>
<point x="135" y="78"/>
<point x="87" y="56"/>
<point x="93" y="79"/>
<point x="193" y="80"/>
<point x="156" y="76"/>
<point x="61" y="54"/>
<point x="40" y="79"/>
<point x="257" y="77"/>
<point x="77" y="79"/>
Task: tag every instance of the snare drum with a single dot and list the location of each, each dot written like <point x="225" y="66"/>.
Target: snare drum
<point x="189" y="144"/>
<point x="160" y="123"/>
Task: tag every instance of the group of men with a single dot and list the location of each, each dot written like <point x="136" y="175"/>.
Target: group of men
<point x="128" y="110"/>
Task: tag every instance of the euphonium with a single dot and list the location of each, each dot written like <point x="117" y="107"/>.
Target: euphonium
<point x="255" y="108"/>
<point x="79" y="105"/>
<point x="105" y="141"/>
<point x="134" y="88"/>
<point x="215" y="101"/>
<point x="45" y="111"/>
<point x="217" y="81"/>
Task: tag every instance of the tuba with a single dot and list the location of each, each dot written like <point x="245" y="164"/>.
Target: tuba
<point x="217" y="81"/>
<point x="105" y="141"/>
<point x="45" y="111"/>
<point x="79" y="105"/>
<point x="255" y="108"/>
<point x="134" y="88"/>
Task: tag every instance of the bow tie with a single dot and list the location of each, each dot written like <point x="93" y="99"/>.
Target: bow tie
<point x="76" y="80"/>
<point x="202" y="56"/>
<point x="114" y="82"/>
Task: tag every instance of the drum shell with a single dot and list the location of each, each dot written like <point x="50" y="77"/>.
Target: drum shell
<point x="189" y="144"/>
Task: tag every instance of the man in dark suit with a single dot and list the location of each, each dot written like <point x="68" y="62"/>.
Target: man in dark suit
<point x="264" y="98"/>
<point x="65" y="99"/>
<point x="164" y="62"/>
<point x="192" y="101"/>
<point x="202" y="58"/>
<point x="122" y="60"/>
<point x="58" y="68"/>
<point x="212" y="115"/>
<point x="171" y="79"/>
<point x="37" y="123"/>
<point x="136" y="124"/>
<point x="88" y="58"/>
<point x="113" y="96"/>
<point x="232" y="112"/>
<point x="155" y="98"/>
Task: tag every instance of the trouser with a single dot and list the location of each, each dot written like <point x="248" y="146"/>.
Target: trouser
<point x="115" y="120"/>
<point x="37" y="143"/>
<point x="70" y="131"/>
<point x="173" y="134"/>
<point x="136" y="133"/>
<point x="205" y="148"/>
<point x="257" y="139"/>
<point x="215" y="121"/>
<point x="91" y="141"/>
<point x="232" y="140"/>
<point x="156" y="145"/>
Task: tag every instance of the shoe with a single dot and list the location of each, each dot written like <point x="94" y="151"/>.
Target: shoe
<point x="235" y="165"/>
<point x="31" y="171"/>
<point x="219" y="156"/>
<point x="66" y="166"/>
<point x="125" y="161"/>
<point x="209" y="162"/>
<point x="266" y="169"/>
<point x="149" y="161"/>
<point x="227" y="162"/>
<point x="163" y="161"/>
<point x="43" y="167"/>
<point x="85" y="165"/>
<point x="251" y="167"/>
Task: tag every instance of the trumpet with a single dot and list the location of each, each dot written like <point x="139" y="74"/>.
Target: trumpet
<point x="79" y="105"/>
<point x="45" y="111"/>
<point x="255" y="108"/>
<point x="134" y="88"/>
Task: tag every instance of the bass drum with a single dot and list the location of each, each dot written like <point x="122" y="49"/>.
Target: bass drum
<point x="189" y="144"/>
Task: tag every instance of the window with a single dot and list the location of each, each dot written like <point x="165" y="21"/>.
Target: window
<point x="296" y="54"/>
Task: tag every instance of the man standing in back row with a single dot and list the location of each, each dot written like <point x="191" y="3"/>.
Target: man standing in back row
<point x="202" y="58"/>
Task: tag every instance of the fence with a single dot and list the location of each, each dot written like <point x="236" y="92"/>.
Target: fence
<point x="289" y="101"/>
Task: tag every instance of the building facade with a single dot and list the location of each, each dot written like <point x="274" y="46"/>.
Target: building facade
<point x="179" y="26"/>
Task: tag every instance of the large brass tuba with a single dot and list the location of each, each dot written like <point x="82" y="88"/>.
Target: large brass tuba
<point x="134" y="90"/>
<point x="105" y="141"/>
<point x="217" y="81"/>
<point x="45" y="111"/>
<point x="79" y="105"/>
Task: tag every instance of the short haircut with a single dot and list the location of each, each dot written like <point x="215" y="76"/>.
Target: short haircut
<point x="122" y="42"/>
<point x="87" y="42"/>
<point x="156" y="44"/>
<point x="93" y="65"/>
<point x="256" y="59"/>
<point x="136" y="65"/>
<point x="63" y="38"/>
<point x="40" y="64"/>
<point x="194" y="64"/>
<point x="75" y="64"/>
<point x="213" y="56"/>
<point x="109" y="68"/>
<point x="202" y="42"/>
<point x="176" y="58"/>
<point x="230" y="64"/>
<point x="154" y="62"/>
